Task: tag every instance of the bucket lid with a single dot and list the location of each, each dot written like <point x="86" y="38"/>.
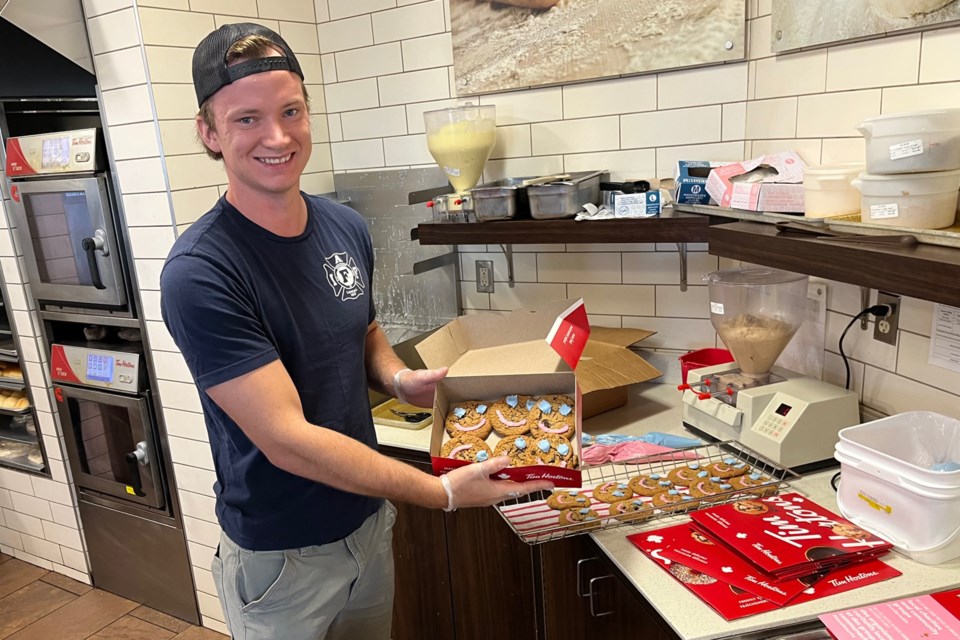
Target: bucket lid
<point x="907" y="184"/>
<point x="753" y="276"/>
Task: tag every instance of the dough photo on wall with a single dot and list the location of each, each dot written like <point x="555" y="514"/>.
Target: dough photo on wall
<point x="907" y="8"/>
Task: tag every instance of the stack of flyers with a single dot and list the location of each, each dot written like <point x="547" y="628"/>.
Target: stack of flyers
<point x="789" y="536"/>
<point x="933" y="616"/>
<point x="733" y="587"/>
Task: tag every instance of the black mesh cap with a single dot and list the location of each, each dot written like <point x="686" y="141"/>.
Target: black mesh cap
<point x="210" y="70"/>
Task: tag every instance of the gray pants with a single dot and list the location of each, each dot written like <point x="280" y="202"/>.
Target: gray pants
<point x="338" y="591"/>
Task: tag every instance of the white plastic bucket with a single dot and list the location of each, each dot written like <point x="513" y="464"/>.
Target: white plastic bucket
<point x="827" y="190"/>
<point x="912" y="142"/>
<point x="889" y="488"/>
<point x="921" y="200"/>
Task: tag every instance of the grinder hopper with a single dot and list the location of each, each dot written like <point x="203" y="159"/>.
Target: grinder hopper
<point x="756" y="312"/>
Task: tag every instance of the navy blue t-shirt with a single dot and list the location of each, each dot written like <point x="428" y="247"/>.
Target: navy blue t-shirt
<point x="236" y="297"/>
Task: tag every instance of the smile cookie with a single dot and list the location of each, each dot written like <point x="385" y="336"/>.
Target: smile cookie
<point x="729" y="468"/>
<point x="650" y="485"/>
<point x="709" y="487"/>
<point x="683" y="476"/>
<point x="571" y="499"/>
<point x="550" y="418"/>
<point x="510" y="417"/>
<point x="754" y="483"/>
<point x="611" y="492"/>
<point x="468" y="417"/>
<point x="672" y="500"/>
<point x="579" y="519"/>
<point x="466" y="447"/>
<point x="634" y="510"/>
<point x="552" y="450"/>
<point x="516" y="448"/>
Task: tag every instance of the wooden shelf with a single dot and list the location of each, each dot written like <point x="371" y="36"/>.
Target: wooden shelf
<point x="924" y="271"/>
<point x="670" y="227"/>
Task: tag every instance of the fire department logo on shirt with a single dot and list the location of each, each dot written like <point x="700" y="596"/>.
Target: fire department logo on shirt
<point x="344" y="276"/>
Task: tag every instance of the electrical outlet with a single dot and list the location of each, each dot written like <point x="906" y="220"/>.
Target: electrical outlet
<point x="885" y="329"/>
<point x="484" y="276"/>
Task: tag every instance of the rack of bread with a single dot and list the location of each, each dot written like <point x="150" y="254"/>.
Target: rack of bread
<point x="10" y="371"/>
<point x="13" y="401"/>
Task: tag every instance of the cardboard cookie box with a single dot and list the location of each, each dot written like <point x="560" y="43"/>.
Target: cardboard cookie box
<point x="531" y="352"/>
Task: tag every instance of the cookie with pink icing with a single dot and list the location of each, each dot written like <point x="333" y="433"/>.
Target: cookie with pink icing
<point x="706" y="488"/>
<point x="633" y="510"/>
<point x="567" y="499"/>
<point x="553" y="418"/>
<point x="613" y="491"/>
<point x="468" y="417"/>
<point x="686" y="474"/>
<point x="729" y="467"/>
<point x="466" y="447"/>
<point x="580" y="519"/>
<point x="516" y="448"/>
<point x="552" y="450"/>
<point x="754" y="483"/>
<point x="650" y="485"/>
<point x="673" y="500"/>
<point x="510" y="416"/>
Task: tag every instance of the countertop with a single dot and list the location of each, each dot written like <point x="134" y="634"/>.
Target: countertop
<point x="656" y="407"/>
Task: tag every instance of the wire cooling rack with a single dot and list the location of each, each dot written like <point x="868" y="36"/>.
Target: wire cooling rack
<point x="534" y="522"/>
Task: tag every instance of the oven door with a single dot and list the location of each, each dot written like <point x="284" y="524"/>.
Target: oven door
<point x="112" y="444"/>
<point x="69" y="241"/>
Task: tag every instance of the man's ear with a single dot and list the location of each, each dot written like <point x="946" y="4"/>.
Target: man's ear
<point x="207" y="135"/>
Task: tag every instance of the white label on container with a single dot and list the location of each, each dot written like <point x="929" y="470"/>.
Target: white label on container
<point x="717" y="308"/>
<point x="906" y="149"/>
<point x="878" y="211"/>
<point x="452" y="171"/>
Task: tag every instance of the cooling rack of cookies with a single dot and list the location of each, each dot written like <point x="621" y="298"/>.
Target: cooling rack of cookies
<point x="637" y="494"/>
<point x="530" y="430"/>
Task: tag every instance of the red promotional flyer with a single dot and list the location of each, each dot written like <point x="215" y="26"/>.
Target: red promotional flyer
<point x="789" y="535"/>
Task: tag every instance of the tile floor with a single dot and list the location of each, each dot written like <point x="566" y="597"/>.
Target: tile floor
<point x="36" y="604"/>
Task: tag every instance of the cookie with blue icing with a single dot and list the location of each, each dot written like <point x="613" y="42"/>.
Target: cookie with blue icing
<point x="468" y="417"/>
<point x="754" y="483"/>
<point x="562" y="499"/>
<point x="551" y="450"/>
<point x="510" y="416"/>
<point x="579" y="519"/>
<point x="729" y="467"/>
<point x="554" y="418"/>
<point x="467" y="448"/>
<point x="613" y="491"/>
<point x="514" y="447"/>
<point x="688" y="473"/>
<point x="675" y="501"/>
<point x="633" y="510"/>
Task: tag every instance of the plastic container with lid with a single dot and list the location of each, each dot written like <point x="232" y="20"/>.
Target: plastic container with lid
<point x="756" y="312"/>
<point x="827" y="190"/>
<point x="912" y="142"/>
<point x="899" y="481"/>
<point x="920" y="200"/>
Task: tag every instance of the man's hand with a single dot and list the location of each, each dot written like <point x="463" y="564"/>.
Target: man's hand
<point x="472" y="486"/>
<point x="417" y="387"/>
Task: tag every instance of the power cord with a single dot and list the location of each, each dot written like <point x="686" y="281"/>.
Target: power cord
<point x="877" y="310"/>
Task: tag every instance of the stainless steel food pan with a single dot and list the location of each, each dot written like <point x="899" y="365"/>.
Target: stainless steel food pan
<point x="565" y="198"/>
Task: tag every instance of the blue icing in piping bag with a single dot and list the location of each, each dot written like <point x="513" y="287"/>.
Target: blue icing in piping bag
<point x="946" y="466"/>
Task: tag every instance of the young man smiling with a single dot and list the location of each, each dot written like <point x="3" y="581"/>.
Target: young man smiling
<point x="268" y="298"/>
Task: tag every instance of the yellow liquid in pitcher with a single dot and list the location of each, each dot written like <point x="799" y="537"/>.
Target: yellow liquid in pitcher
<point x="461" y="149"/>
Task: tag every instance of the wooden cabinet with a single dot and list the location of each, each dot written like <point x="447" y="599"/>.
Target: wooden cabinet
<point x="460" y="576"/>
<point x="584" y="596"/>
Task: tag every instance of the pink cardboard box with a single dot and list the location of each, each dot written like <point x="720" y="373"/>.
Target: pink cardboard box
<point x="770" y="183"/>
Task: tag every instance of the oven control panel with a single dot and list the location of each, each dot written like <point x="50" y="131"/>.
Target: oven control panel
<point x="52" y="153"/>
<point x="103" y="368"/>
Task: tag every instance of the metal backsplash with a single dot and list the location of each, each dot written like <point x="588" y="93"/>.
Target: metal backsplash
<point x="407" y="303"/>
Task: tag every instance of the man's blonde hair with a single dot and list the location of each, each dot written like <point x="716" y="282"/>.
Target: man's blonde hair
<point x="246" y="48"/>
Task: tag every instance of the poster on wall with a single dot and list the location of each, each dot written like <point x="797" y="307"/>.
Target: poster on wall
<point x="511" y="44"/>
<point x="810" y="23"/>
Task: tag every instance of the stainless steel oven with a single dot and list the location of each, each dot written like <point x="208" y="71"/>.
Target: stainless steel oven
<point x="107" y="423"/>
<point x="62" y="206"/>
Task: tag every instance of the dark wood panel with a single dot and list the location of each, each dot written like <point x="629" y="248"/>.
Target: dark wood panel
<point x="422" y="606"/>
<point x="676" y="227"/>
<point x="492" y="577"/>
<point x="925" y="271"/>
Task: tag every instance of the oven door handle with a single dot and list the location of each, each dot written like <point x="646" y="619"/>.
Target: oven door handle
<point x="91" y="246"/>
<point x="134" y="460"/>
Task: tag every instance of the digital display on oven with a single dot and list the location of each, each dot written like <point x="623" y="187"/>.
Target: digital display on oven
<point x="99" y="368"/>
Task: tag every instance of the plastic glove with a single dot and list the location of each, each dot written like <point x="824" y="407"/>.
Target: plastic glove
<point x="417" y="387"/>
<point x="472" y="486"/>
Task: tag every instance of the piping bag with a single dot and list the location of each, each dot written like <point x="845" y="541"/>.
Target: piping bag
<point x="650" y="447"/>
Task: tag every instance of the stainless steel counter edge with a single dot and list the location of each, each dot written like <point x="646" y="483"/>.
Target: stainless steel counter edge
<point x="655" y="407"/>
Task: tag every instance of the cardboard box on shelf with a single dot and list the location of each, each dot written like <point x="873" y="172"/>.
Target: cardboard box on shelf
<point x="531" y="352"/>
<point x="769" y="183"/>
<point x="690" y="181"/>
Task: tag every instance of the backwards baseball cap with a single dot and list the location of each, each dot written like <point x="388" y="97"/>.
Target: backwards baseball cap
<point x="210" y="70"/>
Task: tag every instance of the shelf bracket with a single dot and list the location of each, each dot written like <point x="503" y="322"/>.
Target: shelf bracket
<point x="682" y="251"/>
<point x="864" y="303"/>
<point x="508" y="253"/>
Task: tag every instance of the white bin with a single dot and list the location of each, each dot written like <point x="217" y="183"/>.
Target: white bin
<point x="919" y="200"/>
<point x="913" y="142"/>
<point x="828" y="190"/>
<point x="889" y="488"/>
